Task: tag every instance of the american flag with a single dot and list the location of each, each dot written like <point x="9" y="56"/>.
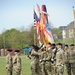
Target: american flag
<point x="36" y="19"/>
<point x="37" y="26"/>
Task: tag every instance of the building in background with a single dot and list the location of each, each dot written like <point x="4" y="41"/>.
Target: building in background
<point x="68" y="33"/>
<point x="62" y="27"/>
<point x="3" y="52"/>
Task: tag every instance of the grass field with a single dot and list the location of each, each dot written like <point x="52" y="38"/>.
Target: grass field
<point x="25" y="66"/>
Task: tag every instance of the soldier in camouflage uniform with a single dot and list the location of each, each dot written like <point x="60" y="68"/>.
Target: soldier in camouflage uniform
<point x="53" y="61"/>
<point x="72" y="59"/>
<point x="47" y="59"/>
<point x="66" y="58"/>
<point x="35" y="60"/>
<point x="59" y="60"/>
<point x="17" y="63"/>
<point x="9" y="64"/>
<point x="42" y="63"/>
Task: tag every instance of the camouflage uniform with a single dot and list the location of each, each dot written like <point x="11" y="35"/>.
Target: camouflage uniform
<point x="71" y="61"/>
<point x="9" y="64"/>
<point x="47" y="61"/>
<point x="66" y="60"/>
<point x="59" y="61"/>
<point x="17" y="65"/>
<point x="42" y="63"/>
<point x="53" y="62"/>
<point x="35" y="62"/>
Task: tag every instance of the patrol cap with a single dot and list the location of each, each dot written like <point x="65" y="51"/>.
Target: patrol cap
<point x="72" y="45"/>
<point x="9" y="50"/>
<point x="17" y="50"/>
<point x="59" y="44"/>
<point x="53" y="44"/>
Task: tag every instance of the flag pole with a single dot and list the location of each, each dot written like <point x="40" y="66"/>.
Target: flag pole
<point x="74" y="16"/>
<point x="74" y="20"/>
<point x="34" y="31"/>
<point x="34" y="38"/>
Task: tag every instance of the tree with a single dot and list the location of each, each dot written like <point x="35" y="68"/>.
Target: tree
<point x="57" y="34"/>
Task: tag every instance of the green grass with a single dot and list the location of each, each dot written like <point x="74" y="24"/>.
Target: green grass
<point x="25" y="66"/>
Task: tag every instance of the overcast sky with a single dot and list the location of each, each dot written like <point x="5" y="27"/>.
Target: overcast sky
<point x="18" y="13"/>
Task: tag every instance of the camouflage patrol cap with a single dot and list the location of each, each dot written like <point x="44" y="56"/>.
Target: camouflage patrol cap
<point x="17" y="50"/>
<point x="9" y="50"/>
<point x="72" y="45"/>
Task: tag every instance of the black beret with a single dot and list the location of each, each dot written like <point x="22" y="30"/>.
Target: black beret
<point x="59" y="44"/>
<point x="33" y="45"/>
<point x="17" y="50"/>
<point x="72" y="45"/>
<point x="9" y="50"/>
<point x="49" y="43"/>
<point x="53" y="44"/>
<point x="66" y="45"/>
<point x="36" y="47"/>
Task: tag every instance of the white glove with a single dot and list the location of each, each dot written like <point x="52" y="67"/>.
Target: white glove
<point x="44" y="59"/>
<point x="40" y="60"/>
<point x="62" y="65"/>
<point x="43" y="46"/>
<point x="52" y="59"/>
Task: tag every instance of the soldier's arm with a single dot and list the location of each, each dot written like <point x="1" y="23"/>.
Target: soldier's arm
<point x="18" y="62"/>
<point x="10" y="60"/>
<point x="42" y="54"/>
<point x="63" y="58"/>
<point x="14" y="60"/>
<point x="49" y="56"/>
<point x="34" y="53"/>
<point x="7" y="60"/>
<point x="68" y="55"/>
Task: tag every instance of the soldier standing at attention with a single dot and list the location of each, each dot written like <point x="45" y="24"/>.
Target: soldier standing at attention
<point x="72" y="59"/>
<point x="59" y="60"/>
<point x="66" y="58"/>
<point x="9" y="64"/>
<point x="17" y="63"/>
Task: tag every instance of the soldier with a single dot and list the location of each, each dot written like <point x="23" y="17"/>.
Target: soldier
<point x="59" y="60"/>
<point x="35" y="60"/>
<point x="9" y="62"/>
<point x="53" y="61"/>
<point x="66" y="58"/>
<point x="72" y="59"/>
<point x="42" y="63"/>
<point x="47" y="59"/>
<point x="17" y="63"/>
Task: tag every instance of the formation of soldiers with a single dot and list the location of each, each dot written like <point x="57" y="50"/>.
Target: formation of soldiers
<point x="51" y="59"/>
<point x="13" y="63"/>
